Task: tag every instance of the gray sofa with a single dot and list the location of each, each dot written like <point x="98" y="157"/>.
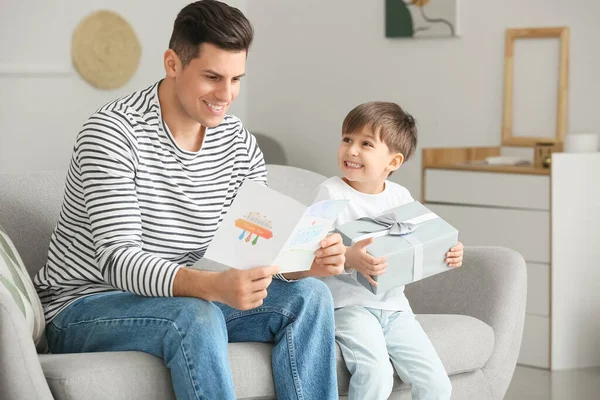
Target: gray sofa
<point x="473" y="315"/>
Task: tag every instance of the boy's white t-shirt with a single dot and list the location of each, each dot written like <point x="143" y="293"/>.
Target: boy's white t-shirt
<point x="345" y="289"/>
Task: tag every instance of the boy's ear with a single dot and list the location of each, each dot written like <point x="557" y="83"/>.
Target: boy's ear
<point x="396" y="162"/>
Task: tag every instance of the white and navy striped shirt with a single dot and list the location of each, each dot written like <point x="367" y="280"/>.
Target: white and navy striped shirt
<point x="136" y="206"/>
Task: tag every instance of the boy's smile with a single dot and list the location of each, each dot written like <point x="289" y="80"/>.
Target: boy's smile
<point x="352" y="165"/>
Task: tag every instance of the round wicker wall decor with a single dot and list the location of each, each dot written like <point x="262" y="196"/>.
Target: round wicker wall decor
<point x="105" y="50"/>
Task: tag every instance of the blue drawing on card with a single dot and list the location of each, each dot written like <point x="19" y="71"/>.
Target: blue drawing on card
<point x="306" y="235"/>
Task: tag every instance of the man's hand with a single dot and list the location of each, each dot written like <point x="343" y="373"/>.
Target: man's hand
<point x="244" y="289"/>
<point x="454" y="257"/>
<point x="241" y="289"/>
<point x="330" y="258"/>
<point x="367" y="265"/>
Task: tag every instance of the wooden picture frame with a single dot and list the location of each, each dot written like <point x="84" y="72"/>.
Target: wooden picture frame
<point x="562" y="33"/>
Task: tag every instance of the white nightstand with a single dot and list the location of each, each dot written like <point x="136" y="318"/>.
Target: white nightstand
<point x="551" y="217"/>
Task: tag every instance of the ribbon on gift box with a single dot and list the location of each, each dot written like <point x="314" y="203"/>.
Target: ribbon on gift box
<point x="394" y="227"/>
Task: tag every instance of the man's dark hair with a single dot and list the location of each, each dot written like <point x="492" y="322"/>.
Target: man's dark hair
<point x="209" y="21"/>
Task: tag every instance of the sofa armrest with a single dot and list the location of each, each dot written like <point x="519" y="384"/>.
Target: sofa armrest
<point x="21" y="375"/>
<point x="490" y="286"/>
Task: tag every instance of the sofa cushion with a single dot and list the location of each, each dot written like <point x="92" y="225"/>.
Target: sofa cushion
<point x="297" y="183"/>
<point x="31" y="203"/>
<point x="463" y="343"/>
<point x="111" y="375"/>
<point x="15" y="282"/>
<point x="471" y="343"/>
<point x="135" y="375"/>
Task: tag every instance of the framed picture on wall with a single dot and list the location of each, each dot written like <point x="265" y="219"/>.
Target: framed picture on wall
<point x="421" y="18"/>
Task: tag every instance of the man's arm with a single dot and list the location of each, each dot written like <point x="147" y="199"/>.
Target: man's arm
<point x="195" y="283"/>
<point x="106" y="158"/>
<point x="258" y="169"/>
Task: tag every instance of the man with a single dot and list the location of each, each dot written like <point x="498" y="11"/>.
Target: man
<point x="151" y="177"/>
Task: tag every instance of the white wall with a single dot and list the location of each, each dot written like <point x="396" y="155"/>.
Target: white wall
<point x="43" y="101"/>
<point x="311" y="62"/>
<point x="314" y="60"/>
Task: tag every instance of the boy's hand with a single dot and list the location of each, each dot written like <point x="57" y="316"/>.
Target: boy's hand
<point x="454" y="257"/>
<point x="363" y="262"/>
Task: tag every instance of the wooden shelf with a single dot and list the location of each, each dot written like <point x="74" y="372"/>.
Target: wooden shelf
<point x="506" y="169"/>
<point x="470" y="159"/>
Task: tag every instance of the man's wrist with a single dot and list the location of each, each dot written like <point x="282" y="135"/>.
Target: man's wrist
<point x="195" y="283"/>
<point x="294" y="276"/>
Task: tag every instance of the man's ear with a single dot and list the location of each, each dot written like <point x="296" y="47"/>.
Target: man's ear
<point x="396" y="162"/>
<point x="172" y="63"/>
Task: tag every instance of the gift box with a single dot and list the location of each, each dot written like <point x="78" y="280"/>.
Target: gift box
<point x="412" y="238"/>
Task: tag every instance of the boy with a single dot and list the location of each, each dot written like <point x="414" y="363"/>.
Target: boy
<point x="371" y="329"/>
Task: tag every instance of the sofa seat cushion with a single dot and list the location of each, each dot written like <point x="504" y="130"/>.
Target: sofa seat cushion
<point x="135" y="375"/>
<point x="112" y="375"/>
<point x="463" y="343"/>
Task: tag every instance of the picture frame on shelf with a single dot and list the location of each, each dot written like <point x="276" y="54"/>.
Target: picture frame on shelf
<point x="511" y="35"/>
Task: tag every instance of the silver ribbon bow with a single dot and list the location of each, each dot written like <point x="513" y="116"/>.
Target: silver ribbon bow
<point x="391" y="226"/>
<point x="390" y="222"/>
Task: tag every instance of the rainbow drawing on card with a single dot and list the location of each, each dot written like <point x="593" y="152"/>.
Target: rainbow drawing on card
<point x="254" y="224"/>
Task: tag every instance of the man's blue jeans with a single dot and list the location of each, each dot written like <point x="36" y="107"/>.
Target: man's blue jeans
<point x="191" y="336"/>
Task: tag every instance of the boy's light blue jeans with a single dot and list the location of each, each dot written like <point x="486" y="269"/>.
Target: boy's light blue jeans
<point x="370" y="338"/>
<point x="191" y="336"/>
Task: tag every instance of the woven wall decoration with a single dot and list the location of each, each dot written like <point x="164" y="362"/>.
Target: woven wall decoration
<point x="105" y="50"/>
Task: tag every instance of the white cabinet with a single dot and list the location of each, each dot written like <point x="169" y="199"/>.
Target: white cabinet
<point x="553" y="219"/>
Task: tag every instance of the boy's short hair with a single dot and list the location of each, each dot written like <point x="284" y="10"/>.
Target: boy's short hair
<point x="395" y="127"/>
<point x="209" y="21"/>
